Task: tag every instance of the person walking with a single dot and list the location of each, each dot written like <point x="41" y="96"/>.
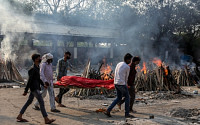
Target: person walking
<point x="120" y="81"/>
<point x="33" y="84"/>
<point x="46" y="75"/>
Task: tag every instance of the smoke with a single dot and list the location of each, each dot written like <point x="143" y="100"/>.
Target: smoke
<point x="140" y="25"/>
<point x="145" y="33"/>
<point x="13" y="25"/>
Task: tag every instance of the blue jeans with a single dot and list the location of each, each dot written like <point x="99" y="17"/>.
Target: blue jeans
<point x="122" y="91"/>
<point x="38" y="95"/>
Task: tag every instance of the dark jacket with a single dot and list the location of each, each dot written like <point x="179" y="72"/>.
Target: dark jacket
<point x="34" y="80"/>
<point x="132" y="74"/>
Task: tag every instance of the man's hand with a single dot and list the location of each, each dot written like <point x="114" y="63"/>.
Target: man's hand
<point x="58" y="79"/>
<point x="24" y="94"/>
<point x="46" y="84"/>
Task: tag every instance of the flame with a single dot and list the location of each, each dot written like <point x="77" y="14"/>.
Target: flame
<point x="157" y="61"/>
<point x="106" y="70"/>
<point x="144" y="68"/>
<point x="166" y="72"/>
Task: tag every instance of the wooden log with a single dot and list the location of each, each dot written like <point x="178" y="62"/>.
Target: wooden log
<point x="16" y="73"/>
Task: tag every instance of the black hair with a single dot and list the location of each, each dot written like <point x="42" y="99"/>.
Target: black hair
<point x="35" y="56"/>
<point x="136" y="58"/>
<point x="127" y="56"/>
<point x="67" y="52"/>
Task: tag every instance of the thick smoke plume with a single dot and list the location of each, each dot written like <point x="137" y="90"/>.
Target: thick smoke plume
<point x="13" y="27"/>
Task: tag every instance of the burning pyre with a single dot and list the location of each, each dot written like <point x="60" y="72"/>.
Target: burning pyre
<point x="104" y="72"/>
<point x="161" y="78"/>
<point x="153" y="76"/>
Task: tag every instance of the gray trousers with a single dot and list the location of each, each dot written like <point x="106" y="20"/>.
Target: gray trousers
<point x="51" y="96"/>
<point x="38" y="96"/>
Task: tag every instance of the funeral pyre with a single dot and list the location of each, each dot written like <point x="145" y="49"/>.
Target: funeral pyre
<point x="104" y="72"/>
<point x="153" y="76"/>
<point x="162" y="78"/>
<point x="9" y="72"/>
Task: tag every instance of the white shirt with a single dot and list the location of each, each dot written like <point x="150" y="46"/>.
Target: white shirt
<point x="121" y="73"/>
<point x="46" y="73"/>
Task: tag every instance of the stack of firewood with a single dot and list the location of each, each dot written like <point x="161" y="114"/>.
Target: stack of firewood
<point x="9" y="72"/>
<point x="93" y="74"/>
<point x="158" y="80"/>
<point x="184" y="77"/>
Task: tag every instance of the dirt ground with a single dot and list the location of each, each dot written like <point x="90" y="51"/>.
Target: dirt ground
<point x="83" y="112"/>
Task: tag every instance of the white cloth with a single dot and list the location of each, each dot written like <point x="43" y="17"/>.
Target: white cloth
<point x="46" y="72"/>
<point x="46" y="57"/>
<point x="121" y="73"/>
<point x="46" y="75"/>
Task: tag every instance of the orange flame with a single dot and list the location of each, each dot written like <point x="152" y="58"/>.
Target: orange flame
<point x="106" y="70"/>
<point x="166" y="72"/>
<point x="144" y="68"/>
<point x="157" y="61"/>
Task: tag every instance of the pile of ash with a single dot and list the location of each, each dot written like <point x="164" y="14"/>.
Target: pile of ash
<point x="184" y="113"/>
<point x="164" y="95"/>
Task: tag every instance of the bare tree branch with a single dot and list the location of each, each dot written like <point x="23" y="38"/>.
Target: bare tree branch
<point x="77" y="5"/>
<point x="49" y="5"/>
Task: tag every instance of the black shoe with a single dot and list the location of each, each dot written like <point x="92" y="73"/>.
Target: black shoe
<point x="36" y="108"/>
<point x="129" y="116"/>
<point x="55" y="110"/>
<point x="107" y="113"/>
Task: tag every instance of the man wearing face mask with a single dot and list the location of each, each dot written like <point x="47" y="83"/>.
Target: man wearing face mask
<point x="33" y="84"/>
<point x="62" y="67"/>
<point x="46" y="75"/>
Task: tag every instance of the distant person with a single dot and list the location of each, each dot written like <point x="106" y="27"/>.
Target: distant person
<point x="131" y="86"/>
<point x="34" y="83"/>
<point x="120" y="80"/>
<point x="62" y="67"/>
<point x="46" y="75"/>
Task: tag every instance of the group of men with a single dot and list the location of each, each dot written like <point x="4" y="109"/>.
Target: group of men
<point x="41" y="80"/>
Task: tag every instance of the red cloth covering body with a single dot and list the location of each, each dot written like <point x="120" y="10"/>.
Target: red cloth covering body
<point x="85" y="82"/>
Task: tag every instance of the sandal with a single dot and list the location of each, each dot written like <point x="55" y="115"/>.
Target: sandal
<point x="61" y="105"/>
<point x="22" y="120"/>
<point x="50" y="121"/>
